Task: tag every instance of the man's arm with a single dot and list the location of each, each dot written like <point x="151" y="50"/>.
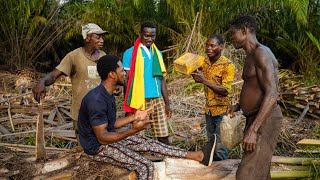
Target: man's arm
<point x="267" y="81"/>
<point x="164" y="91"/>
<point x="199" y="78"/>
<point x="105" y="137"/>
<point x="123" y="121"/>
<point x="140" y="121"/>
<point x="39" y="91"/>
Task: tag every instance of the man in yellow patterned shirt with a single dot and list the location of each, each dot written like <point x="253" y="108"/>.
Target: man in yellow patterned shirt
<point x="217" y="75"/>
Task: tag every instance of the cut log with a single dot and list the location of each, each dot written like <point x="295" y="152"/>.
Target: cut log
<point x="181" y="169"/>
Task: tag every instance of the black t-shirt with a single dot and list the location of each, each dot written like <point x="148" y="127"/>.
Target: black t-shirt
<point x="97" y="107"/>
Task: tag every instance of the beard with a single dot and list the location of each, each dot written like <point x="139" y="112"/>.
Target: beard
<point x="120" y="83"/>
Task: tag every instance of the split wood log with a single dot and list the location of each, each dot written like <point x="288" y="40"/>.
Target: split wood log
<point x="40" y="142"/>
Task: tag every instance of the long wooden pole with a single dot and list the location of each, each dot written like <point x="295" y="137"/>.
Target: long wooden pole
<point x="191" y="35"/>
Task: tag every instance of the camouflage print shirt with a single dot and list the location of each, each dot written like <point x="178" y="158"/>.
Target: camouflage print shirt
<point x="220" y="73"/>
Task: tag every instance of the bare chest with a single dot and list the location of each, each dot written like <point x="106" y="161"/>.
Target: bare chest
<point x="249" y="69"/>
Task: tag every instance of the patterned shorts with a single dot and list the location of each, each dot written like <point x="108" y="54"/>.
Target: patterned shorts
<point x="160" y="126"/>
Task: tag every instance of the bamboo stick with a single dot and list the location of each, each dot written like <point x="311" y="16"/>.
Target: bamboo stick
<point x="290" y="174"/>
<point x="312" y="142"/>
<point x="10" y="118"/>
<point x="293" y="160"/>
<point x="191" y="35"/>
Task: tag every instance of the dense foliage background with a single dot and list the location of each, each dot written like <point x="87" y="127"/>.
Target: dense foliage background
<point x="38" y="33"/>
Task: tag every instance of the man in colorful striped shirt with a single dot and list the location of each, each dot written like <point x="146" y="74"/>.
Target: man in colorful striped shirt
<point x="217" y="75"/>
<point x="153" y="90"/>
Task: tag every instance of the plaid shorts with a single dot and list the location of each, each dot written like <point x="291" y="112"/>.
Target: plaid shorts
<point x="160" y="126"/>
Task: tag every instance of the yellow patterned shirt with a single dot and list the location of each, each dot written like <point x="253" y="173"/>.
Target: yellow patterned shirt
<point x="220" y="73"/>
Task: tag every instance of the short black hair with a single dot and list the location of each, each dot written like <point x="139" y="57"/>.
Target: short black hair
<point x="218" y="37"/>
<point x="107" y="64"/>
<point x="148" y="24"/>
<point x="245" y="21"/>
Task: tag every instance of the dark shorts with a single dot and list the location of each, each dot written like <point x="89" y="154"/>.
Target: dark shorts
<point x="256" y="165"/>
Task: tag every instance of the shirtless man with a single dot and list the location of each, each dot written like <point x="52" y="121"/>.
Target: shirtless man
<point x="258" y="101"/>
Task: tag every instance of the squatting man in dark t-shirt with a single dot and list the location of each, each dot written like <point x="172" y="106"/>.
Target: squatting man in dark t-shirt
<point x="97" y="128"/>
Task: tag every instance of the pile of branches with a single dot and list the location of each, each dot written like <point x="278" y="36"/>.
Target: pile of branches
<point x="297" y="98"/>
<point x="18" y="120"/>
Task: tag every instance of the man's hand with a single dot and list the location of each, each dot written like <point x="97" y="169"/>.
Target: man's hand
<point x="139" y="125"/>
<point x="168" y="111"/>
<point x="233" y="108"/>
<point x="141" y="119"/>
<point x="198" y="76"/>
<point x="250" y="141"/>
<point x="39" y="91"/>
<point x="118" y="90"/>
<point x="142" y="114"/>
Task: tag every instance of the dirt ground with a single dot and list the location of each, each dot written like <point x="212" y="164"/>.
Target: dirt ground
<point x="187" y="132"/>
<point x="19" y="165"/>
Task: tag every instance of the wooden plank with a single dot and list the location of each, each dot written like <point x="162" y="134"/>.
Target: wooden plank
<point x="4" y="130"/>
<point x="309" y="142"/>
<point x="31" y="149"/>
<point x="60" y="117"/>
<point x="52" y="114"/>
<point x="64" y="133"/>
<point x="66" y="112"/>
<point x="40" y="142"/>
<point x="65" y="126"/>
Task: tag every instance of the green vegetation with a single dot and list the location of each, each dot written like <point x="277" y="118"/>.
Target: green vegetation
<point x="38" y="33"/>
